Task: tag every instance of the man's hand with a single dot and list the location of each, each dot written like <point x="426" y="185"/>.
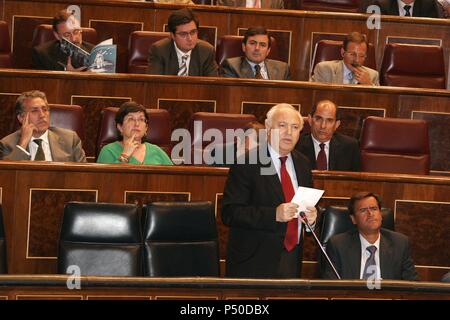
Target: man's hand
<point x="69" y="66"/>
<point x="26" y="132"/>
<point x="286" y="212"/>
<point x="311" y="215"/>
<point x="361" y="75"/>
<point x="129" y="146"/>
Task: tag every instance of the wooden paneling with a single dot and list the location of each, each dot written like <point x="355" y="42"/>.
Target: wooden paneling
<point x="427" y="196"/>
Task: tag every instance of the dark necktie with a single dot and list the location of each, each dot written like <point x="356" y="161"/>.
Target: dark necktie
<point x="370" y="267"/>
<point x="258" y="74"/>
<point x="40" y="156"/>
<point x="407" y="13"/>
<point x="322" y="158"/>
<point x="183" y="68"/>
<point x="291" y="237"/>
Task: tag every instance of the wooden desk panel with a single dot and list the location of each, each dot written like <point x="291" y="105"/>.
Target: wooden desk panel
<point x="49" y="184"/>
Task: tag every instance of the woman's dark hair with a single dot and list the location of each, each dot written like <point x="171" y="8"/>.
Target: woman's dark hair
<point x="126" y="108"/>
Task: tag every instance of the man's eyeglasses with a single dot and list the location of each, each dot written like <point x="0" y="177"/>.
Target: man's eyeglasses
<point x="354" y="55"/>
<point x="75" y="32"/>
<point x="191" y="33"/>
<point x="371" y="209"/>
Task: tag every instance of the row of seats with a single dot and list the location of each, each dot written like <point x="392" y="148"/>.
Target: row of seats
<point x="387" y="144"/>
<point x="178" y="238"/>
<point x="395" y="70"/>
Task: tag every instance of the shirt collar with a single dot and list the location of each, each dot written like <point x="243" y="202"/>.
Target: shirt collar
<point x="317" y="142"/>
<point x="44" y="137"/>
<point x="252" y="64"/>
<point x="365" y="243"/>
<point x="179" y="52"/>
<point x="274" y="155"/>
<point x="347" y="71"/>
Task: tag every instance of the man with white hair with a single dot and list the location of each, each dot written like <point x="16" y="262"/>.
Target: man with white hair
<point x="265" y="239"/>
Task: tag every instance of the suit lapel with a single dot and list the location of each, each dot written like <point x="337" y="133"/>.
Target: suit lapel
<point x="246" y="69"/>
<point x="274" y="180"/>
<point x="311" y="153"/>
<point x="386" y="257"/>
<point x="173" y="60"/>
<point x="339" y="73"/>
<point x="394" y="7"/>
<point x="334" y="147"/>
<point x="354" y="252"/>
<point x="193" y="64"/>
<point x="55" y="146"/>
<point x="271" y="70"/>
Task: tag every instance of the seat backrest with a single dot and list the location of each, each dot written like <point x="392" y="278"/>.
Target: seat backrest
<point x="337" y="220"/>
<point x="44" y="33"/>
<point x="330" y="5"/>
<point x="101" y="239"/>
<point x="3" y="262"/>
<point x="230" y="46"/>
<point x="327" y="50"/>
<point x="159" y="132"/>
<point x="395" y="145"/>
<point x="5" y="46"/>
<point x="409" y="65"/>
<point x="180" y="240"/>
<point x="65" y="116"/>
<point x="139" y="44"/>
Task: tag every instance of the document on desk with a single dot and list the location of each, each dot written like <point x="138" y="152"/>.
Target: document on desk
<point x="306" y="197"/>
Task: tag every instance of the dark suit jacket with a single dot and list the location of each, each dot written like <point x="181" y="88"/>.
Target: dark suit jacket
<point x="48" y="56"/>
<point x="396" y="262"/>
<point x="344" y="152"/>
<point x="238" y="67"/>
<point x="162" y="59"/>
<point x="265" y="4"/>
<point x="249" y="204"/>
<point x="65" y="146"/>
<point x="422" y="8"/>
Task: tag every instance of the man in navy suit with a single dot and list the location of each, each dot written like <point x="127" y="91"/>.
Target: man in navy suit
<point x="409" y="8"/>
<point x="340" y="152"/>
<point x="369" y="252"/>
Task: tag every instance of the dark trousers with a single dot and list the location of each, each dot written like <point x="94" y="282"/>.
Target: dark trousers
<point x="290" y="264"/>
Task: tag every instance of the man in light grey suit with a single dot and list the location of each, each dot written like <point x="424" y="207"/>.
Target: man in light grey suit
<point x="183" y="54"/>
<point x="256" y="48"/>
<point x="264" y="4"/>
<point x="36" y="140"/>
<point x="351" y="69"/>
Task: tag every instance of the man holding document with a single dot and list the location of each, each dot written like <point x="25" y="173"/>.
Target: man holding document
<point x="265" y="239"/>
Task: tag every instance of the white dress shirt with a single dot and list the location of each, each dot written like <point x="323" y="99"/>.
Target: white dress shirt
<point x="33" y="147"/>
<point x="180" y="54"/>
<point x="365" y="254"/>
<point x="316" y="144"/>
<point x="348" y="77"/>
<point x="252" y="3"/>
<point x="402" y="11"/>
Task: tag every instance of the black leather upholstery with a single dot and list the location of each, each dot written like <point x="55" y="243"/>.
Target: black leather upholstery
<point x="101" y="238"/>
<point x="337" y="220"/>
<point x="180" y="239"/>
<point x="3" y="263"/>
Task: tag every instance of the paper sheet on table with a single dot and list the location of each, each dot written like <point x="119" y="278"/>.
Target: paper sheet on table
<point x="306" y="197"/>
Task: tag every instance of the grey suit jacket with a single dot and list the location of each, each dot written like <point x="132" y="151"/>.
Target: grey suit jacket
<point x="65" y="146"/>
<point x="422" y="8"/>
<point x="344" y="250"/>
<point x="162" y="59"/>
<point x="265" y="4"/>
<point x="239" y="67"/>
<point x="333" y="72"/>
<point x="344" y="152"/>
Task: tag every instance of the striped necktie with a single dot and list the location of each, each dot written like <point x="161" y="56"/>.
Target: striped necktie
<point x="183" y="67"/>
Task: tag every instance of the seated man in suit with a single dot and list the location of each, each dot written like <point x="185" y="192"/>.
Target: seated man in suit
<point x="36" y="140"/>
<point x="183" y="54"/>
<point x="408" y="8"/>
<point x="350" y="69"/>
<point x="50" y="56"/>
<point x="369" y="252"/>
<point x="325" y="148"/>
<point x="256" y="47"/>
<point x="265" y="239"/>
<point x="257" y="4"/>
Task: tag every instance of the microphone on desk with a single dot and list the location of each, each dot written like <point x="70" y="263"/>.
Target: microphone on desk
<point x="305" y="221"/>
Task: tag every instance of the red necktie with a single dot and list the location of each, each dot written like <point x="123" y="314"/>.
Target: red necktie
<point x="291" y="237"/>
<point x="322" y="158"/>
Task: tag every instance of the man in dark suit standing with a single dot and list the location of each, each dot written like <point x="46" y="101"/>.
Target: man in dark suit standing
<point x="325" y="148"/>
<point x="50" y="56"/>
<point x="265" y="239"/>
<point x="408" y="8"/>
<point x="369" y="252"/>
<point x="254" y="63"/>
<point x="183" y="53"/>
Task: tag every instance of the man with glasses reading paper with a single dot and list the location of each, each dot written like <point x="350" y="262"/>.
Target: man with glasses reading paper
<point x="182" y="54"/>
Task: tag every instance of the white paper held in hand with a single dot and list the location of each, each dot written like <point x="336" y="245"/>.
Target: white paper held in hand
<point x="306" y="197"/>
